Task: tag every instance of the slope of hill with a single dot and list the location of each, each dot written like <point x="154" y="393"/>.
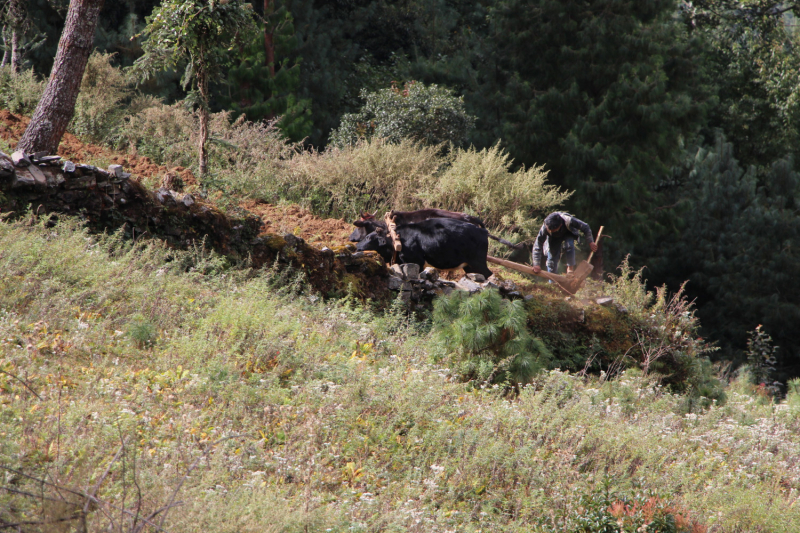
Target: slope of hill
<point x="148" y="384"/>
<point x="137" y="396"/>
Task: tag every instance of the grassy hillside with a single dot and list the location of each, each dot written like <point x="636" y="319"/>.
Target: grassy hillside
<point x="223" y="400"/>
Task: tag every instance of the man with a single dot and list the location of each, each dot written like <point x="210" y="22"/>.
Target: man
<point x="559" y="229"/>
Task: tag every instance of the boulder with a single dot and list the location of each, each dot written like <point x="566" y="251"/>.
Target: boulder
<point x="20" y="159"/>
<point x="466" y="284"/>
<point x="410" y="270"/>
<point x="478" y="278"/>
<point x="430" y="274"/>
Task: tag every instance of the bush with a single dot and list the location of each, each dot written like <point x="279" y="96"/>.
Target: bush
<point x="429" y="114"/>
<point x="369" y="175"/>
<point x="669" y="342"/>
<point x="19" y="93"/>
<point x="99" y="109"/>
<point x="241" y="154"/>
<point x="375" y="174"/>
<point x="761" y="361"/>
<point x="482" y="182"/>
<point x="487" y="339"/>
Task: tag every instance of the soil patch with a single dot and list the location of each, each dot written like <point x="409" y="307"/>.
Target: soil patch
<point x="297" y="221"/>
<point x="13" y="126"/>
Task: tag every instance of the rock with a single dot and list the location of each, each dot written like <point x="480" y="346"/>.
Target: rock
<point x="446" y="283"/>
<point x="489" y="285"/>
<point x="508" y="285"/>
<point x="406" y="286"/>
<point x="38" y="175"/>
<point x="581" y="316"/>
<point x="188" y="201"/>
<point x="325" y="250"/>
<point x="20" y="159"/>
<point x="55" y="181"/>
<point x="125" y="175"/>
<point x="87" y="168"/>
<point x="476" y="277"/>
<point x="466" y="284"/>
<point x="165" y="198"/>
<point x="430" y="274"/>
<point x="115" y="170"/>
<point x="605" y="301"/>
<point x="350" y="247"/>
<point x="394" y="283"/>
<point x="427" y="285"/>
<point x="621" y="309"/>
<point x="23" y="179"/>
<point x="69" y="167"/>
<point x="39" y="155"/>
<point x="357" y="255"/>
<point x="6" y="168"/>
<point x="447" y="290"/>
<point x="410" y="270"/>
<point x="293" y="240"/>
<point x="527" y="298"/>
<point x="396" y="270"/>
<point x="46" y="160"/>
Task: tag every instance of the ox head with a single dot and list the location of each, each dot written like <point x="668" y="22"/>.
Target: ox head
<point x="379" y="242"/>
<point x="364" y="226"/>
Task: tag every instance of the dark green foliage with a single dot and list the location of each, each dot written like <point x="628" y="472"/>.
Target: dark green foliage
<point x="753" y="58"/>
<point x="430" y="114"/>
<point x="737" y="247"/>
<point x="602" y="93"/>
<point x="487" y="338"/>
<point x="262" y="91"/>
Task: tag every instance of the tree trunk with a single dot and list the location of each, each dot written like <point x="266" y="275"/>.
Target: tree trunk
<point x="6" y="49"/>
<point x="15" y="50"/>
<point x="202" y="88"/>
<point x="55" y="109"/>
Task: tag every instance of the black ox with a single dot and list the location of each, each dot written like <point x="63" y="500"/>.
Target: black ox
<point x="443" y="243"/>
<point x="368" y="223"/>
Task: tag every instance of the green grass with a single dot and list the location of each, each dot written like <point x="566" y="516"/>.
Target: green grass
<point x="281" y="412"/>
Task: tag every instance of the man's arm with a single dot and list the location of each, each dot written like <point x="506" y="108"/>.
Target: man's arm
<point x="537" y="248"/>
<point x="584" y="228"/>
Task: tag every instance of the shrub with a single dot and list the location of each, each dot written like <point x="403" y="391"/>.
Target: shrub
<point x="426" y="113"/>
<point x="369" y="175"/>
<point x="19" y="93"/>
<point x="482" y="182"/>
<point x="99" y="109"/>
<point x="376" y="174"/>
<point x="486" y="337"/>
<point x="141" y="331"/>
<point x="669" y="342"/>
<point x="761" y="359"/>
<point x="241" y="153"/>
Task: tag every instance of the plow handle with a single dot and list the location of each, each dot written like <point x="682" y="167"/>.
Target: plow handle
<point x="597" y="240"/>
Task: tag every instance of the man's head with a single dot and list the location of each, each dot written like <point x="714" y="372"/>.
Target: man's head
<point x="553" y="223"/>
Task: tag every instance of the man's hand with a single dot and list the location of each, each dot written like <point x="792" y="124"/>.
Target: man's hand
<point x="537" y="268"/>
<point x="593" y="246"/>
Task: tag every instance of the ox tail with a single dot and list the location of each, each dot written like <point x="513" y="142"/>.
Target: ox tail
<point x="519" y="246"/>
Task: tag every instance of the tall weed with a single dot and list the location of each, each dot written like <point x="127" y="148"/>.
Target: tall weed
<point x="99" y="108"/>
<point x="20" y="92"/>
<point x="482" y="182"/>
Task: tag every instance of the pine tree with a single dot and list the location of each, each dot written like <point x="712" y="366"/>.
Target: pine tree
<point x="263" y="87"/>
<point x="737" y="246"/>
